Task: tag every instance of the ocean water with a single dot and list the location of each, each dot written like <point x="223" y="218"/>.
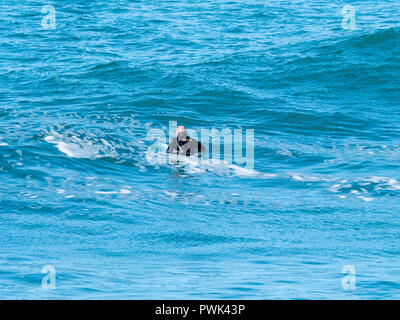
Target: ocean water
<point x="78" y="194"/>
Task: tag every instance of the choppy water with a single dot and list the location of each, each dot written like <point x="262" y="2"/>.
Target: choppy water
<point x="77" y="192"/>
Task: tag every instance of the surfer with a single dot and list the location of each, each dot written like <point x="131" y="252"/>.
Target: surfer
<point x="185" y="145"/>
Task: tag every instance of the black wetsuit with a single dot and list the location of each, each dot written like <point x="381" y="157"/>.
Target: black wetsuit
<point x="186" y="146"/>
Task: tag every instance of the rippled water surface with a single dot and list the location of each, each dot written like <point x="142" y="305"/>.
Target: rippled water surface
<point x="77" y="192"/>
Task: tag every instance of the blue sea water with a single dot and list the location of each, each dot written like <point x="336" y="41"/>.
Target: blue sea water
<point x="77" y="192"/>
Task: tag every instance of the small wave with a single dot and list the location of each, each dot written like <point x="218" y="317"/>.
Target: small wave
<point x="306" y="178"/>
<point x="367" y="189"/>
<point x="75" y="147"/>
<point x="377" y="37"/>
<point x="222" y="167"/>
<point x="367" y="70"/>
<point x="3" y="144"/>
<point x="121" y="191"/>
<point x="195" y="165"/>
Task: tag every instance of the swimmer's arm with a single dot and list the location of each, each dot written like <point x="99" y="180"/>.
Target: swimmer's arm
<point x="200" y="147"/>
<point x="196" y="146"/>
<point x="173" y="147"/>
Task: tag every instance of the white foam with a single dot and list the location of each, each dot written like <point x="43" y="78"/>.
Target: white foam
<point x="377" y="179"/>
<point x="199" y="165"/>
<point x="121" y="191"/>
<point x="76" y="151"/>
<point x="335" y="188"/>
<point x="394" y="184"/>
<point x="384" y="183"/>
<point x="170" y="194"/>
<point x="106" y="192"/>
<point x="367" y="199"/>
<point x="3" y="144"/>
<point x="298" y="177"/>
<point x="240" y="171"/>
<point x="74" y="147"/>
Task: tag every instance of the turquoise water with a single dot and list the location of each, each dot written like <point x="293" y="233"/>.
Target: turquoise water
<point x="76" y="190"/>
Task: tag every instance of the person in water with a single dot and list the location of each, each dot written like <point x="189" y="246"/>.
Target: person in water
<point x="183" y="144"/>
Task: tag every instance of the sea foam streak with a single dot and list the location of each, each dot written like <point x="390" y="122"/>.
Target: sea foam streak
<point x="75" y="147"/>
<point x="194" y="164"/>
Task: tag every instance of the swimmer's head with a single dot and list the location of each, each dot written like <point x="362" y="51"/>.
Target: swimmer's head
<point x="181" y="133"/>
